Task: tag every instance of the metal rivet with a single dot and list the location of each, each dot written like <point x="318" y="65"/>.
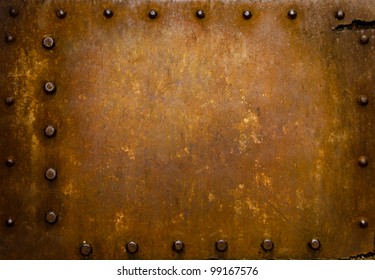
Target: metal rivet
<point x="362" y="100"/>
<point x="10" y="222"/>
<point x="221" y="245"/>
<point x="247" y="14"/>
<point x="51" y="174"/>
<point x="364" y="39"/>
<point x="9" y="101"/>
<point x="48" y="42"/>
<point x="340" y="15"/>
<point x="178" y="246"/>
<point x="85" y="249"/>
<point x="152" y="14"/>
<point x="200" y="14"/>
<point x="49" y="87"/>
<point x="13" y="12"/>
<point x="108" y="13"/>
<point x="9" y="38"/>
<point x="363" y="161"/>
<point x="267" y="245"/>
<point x="50" y="131"/>
<point x="363" y="223"/>
<point x="10" y="161"/>
<point x="61" y="14"/>
<point x="314" y="244"/>
<point x="292" y="14"/>
<point x="51" y="217"/>
<point x="132" y="247"/>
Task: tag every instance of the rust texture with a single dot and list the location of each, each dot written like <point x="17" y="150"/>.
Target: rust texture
<point x="127" y="134"/>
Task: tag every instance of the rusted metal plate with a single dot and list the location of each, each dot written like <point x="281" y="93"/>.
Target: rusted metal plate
<point x="185" y="126"/>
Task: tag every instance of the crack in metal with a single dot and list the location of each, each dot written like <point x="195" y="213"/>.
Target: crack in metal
<point x="357" y="24"/>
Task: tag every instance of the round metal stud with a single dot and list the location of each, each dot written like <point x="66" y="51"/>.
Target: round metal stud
<point x="51" y="174"/>
<point x="49" y="87"/>
<point x="267" y="245"/>
<point x="292" y="14"/>
<point x="363" y="161"/>
<point x="50" y="131"/>
<point x="85" y="249"/>
<point x="339" y="15"/>
<point x="48" y="42"/>
<point x="247" y="14"/>
<point x="13" y="12"/>
<point x="178" y="246"/>
<point x="108" y="13"/>
<point x="363" y="223"/>
<point x="364" y="39"/>
<point x="9" y="101"/>
<point x="152" y="14"/>
<point x="200" y="14"/>
<point x="9" y="38"/>
<point x="61" y="14"/>
<point x="363" y="100"/>
<point x="10" y="222"/>
<point x="314" y="244"/>
<point x="10" y="161"/>
<point x="221" y="245"/>
<point x="51" y="217"/>
<point x="132" y="247"/>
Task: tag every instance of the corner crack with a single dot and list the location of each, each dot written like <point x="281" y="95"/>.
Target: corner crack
<point x="356" y="24"/>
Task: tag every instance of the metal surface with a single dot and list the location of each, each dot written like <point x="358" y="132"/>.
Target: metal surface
<point x="255" y="127"/>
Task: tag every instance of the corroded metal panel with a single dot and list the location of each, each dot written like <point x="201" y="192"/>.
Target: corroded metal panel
<point x="241" y="129"/>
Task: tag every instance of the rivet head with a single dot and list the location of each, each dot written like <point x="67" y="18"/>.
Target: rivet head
<point x="362" y="100"/>
<point x="364" y="39"/>
<point x="292" y="14"/>
<point x="48" y="42"/>
<point x="13" y="12"/>
<point x="10" y="161"/>
<point x="363" y="161"/>
<point x="61" y="14"/>
<point x="267" y="245"/>
<point x="108" y="13"/>
<point x="363" y="223"/>
<point x="200" y="14"/>
<point x="51" y="174"/>
<point x="221" y="245"/>
<point x="132" y="247"/>
<point x="152" y="14"/>
<point x="10" y="222"/>
<point x="247" y="14"/>
<point x="178" y="246"/>
<point x="9" y="101"/>
<point x="314" y="244"/>
<point x="50" y="131"/>
<point x="51" y="217"/>
<point x="49" y="87"/>
<point x="339" y="15"/>
<point x="9" y="38"/>
<point x="85" y="249"/>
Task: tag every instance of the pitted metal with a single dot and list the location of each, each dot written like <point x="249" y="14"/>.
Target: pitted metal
<point x="243" y="128"/>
